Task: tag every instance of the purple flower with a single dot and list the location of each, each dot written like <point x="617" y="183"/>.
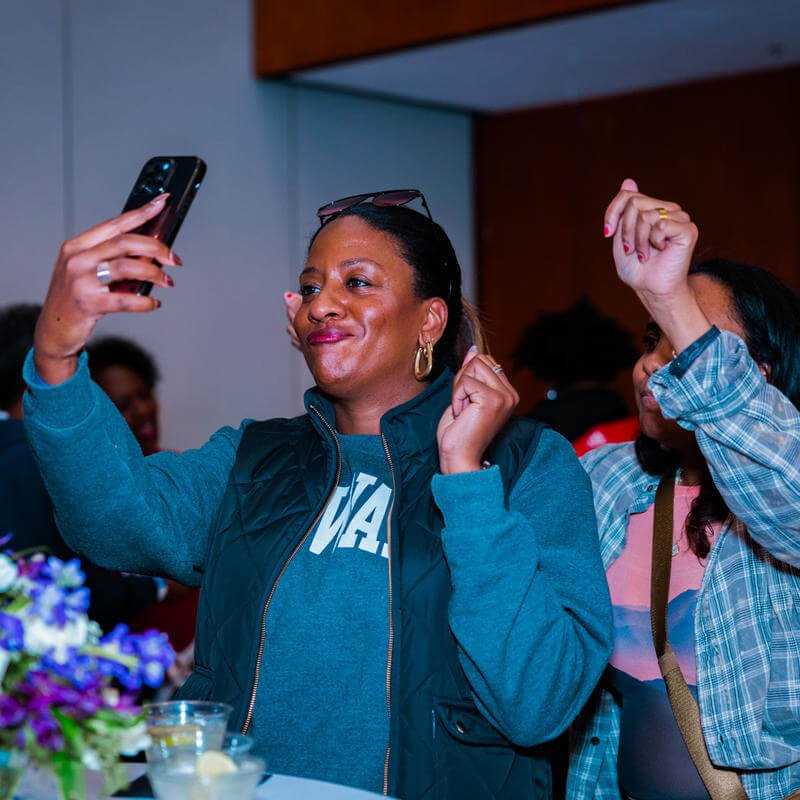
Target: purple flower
<point x="66" y="574"/>
<point x="31" y="567"/>
<point x="57" y="606"/>
<point x="118" y="636"/>
<point x="12" y="712"/>
<point x="47" y="731"/>
<point x="49" y="603"/>
<point x="77" y="601"/>
<point x="79" y="669"/>
<point x="12" y="632"/>
<point x="152" y="645"/>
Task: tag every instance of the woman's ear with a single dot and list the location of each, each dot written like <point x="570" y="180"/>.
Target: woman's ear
<point x="435" y="321"/>
<point x="765" y="370"/>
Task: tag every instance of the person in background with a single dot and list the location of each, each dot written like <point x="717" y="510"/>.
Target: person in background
<point x="578" y="352"/>
<point x="718" y="390"/>
<point x="25" y="508"/>
<point x="381" y="607"/>
<point x="128" y="374"/>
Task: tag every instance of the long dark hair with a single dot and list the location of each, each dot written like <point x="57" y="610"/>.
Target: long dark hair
<point x="769" y="314"/>
<point x="427" y="249"/>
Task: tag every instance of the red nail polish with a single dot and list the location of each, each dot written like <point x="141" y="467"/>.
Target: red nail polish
<point x="157" y="303"/>
<point x="175" y="258"/>
<point x="625" y="247"/>
<point x="640" y="256"/>
<point x="606" y="230"/>
<point x="288" y="295"/>
<point x="169" y="280"/>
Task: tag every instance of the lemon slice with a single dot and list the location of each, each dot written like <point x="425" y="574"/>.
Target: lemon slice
<point x="213" y="763"/>
<point x="173" y="735"/>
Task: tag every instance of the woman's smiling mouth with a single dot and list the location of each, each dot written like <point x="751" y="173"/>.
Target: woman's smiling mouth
<point x="327" y="336"/>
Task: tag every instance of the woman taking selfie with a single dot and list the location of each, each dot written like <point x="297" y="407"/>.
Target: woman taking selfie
<point x="716" y="470"/>
<point x="379" y="609"/>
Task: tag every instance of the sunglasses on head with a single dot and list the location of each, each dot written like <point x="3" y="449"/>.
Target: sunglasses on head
<point x="393" y="197"/>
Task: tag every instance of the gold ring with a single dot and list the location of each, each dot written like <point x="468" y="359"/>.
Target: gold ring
<point x="662" y="212"/>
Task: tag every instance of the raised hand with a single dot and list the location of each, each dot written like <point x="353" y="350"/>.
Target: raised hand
<point x="653" y="240"/>
<point x="293" y="303"/>
<point x="483" y="400"/>
<point x="77" y="297"/>
<point x="653" y="243"/>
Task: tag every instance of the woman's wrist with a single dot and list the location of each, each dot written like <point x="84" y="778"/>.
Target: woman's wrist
<point x="453" y="466"/>
<point x="678" y="315"/>
<point x="54" y="370"/>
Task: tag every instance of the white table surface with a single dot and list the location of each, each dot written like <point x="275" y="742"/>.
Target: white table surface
<point x="277" y="787"/>
<point x="40" y="785"/>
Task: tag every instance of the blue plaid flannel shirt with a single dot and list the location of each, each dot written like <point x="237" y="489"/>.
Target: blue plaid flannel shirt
<point x="747" y="623"/>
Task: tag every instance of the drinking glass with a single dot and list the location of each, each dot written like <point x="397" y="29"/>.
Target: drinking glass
<point x="185" y="727"/>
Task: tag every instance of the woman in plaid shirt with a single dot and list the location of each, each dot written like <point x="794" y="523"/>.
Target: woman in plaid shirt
<point x="718" y="389"/>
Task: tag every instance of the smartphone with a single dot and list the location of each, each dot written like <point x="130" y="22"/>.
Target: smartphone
<point x="181" y="176"/>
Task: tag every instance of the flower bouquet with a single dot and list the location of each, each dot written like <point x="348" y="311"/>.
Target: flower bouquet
<point x="67" y="693"/>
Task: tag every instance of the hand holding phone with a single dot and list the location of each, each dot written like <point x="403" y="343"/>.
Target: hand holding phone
<point x="111" y="267"/>
<point x="179" y="177"/>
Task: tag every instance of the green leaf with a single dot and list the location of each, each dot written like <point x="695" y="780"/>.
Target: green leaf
<point x="71" y="774"/>
<point x="17" y="604"/>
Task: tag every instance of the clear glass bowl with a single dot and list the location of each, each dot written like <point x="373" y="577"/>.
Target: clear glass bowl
<point x="177" y="779"/>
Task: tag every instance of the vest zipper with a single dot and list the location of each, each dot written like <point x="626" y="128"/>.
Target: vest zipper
<point x="391" y="621"/>
<point x="257" y="673"/>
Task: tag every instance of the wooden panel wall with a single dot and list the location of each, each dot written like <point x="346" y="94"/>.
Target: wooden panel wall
<point x="726" y="150"/>
<point x="308" y="33"/>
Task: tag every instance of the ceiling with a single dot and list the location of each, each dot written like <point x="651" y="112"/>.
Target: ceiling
<point x="629" y="48"/>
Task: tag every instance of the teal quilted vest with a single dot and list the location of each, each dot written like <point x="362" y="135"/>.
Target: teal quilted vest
<point x="440" y="745"/>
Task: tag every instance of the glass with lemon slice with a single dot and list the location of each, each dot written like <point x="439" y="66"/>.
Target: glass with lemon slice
<point x="185" y="727"/>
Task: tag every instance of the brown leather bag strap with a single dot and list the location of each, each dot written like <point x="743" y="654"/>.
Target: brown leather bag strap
<point x="721" y="784"/>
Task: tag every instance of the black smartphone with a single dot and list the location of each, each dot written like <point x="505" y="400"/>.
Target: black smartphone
<point x="181" y="176"/>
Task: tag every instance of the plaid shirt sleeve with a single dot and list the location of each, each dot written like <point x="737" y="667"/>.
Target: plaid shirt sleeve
<point x="749" y="434"/>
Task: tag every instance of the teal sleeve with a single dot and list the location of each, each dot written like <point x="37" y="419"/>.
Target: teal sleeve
<point x="530" y="607"/>
<point x="123" y="511"/>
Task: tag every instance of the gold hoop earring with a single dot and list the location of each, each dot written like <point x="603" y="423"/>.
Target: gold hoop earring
<point x="419" y="373"/>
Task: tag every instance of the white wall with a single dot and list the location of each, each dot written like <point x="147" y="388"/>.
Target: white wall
<point x="90" y="88"/>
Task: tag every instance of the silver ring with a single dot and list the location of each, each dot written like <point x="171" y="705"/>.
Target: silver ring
<point x="497" y="369"/>
<point x="104" y="272"/>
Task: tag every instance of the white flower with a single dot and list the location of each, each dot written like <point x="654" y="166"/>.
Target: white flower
<point x="110" y="697"/>
<point x="8" y="573"/>
<point x="134" y="739"/>
<point x="91" y="760"/>
<point x="40" y="637"/>
<point x="5" y="658"/>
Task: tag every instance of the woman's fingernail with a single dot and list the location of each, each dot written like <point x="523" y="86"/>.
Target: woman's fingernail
<point x="626" y="247"/>
<point x="606" y="231"/>
<point x="157" y="302"/>
<point x="288" y="295"/>
<point x="168" y="280"/>
<point x="160" y="199"/>
<point x="175" y="258"/>
<point x="640" y="256"/>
